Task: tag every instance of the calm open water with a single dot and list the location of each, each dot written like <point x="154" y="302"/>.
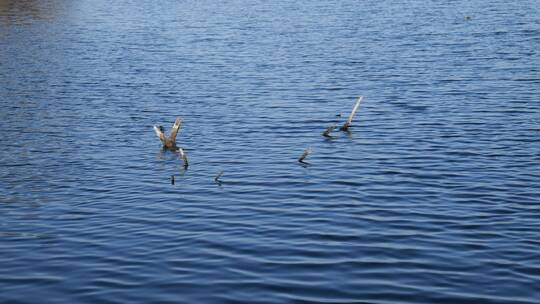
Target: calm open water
<point x="433" y="197"/>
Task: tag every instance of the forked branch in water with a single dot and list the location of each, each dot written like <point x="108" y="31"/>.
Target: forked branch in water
<point x="347" y="124"/>
<point x="169" y="142"/>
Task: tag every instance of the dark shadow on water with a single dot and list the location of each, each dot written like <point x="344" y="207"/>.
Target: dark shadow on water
<point x="13" y="12"/>
<point x="349" y="133"/>
<point x="329" y="138"/>
<point x="305" y="164"/>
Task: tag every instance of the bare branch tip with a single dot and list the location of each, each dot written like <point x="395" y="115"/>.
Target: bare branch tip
<point x="348" y="123"/>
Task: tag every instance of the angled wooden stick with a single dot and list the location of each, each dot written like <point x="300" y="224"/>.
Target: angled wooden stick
<point x="347" y="124"/>
<point x="175" y="128"/>
<point x="304" y="155"/>
<point x="160" y="133"/>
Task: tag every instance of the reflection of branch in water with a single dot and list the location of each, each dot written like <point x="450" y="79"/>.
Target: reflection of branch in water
<point x="305" y="164"/>
<point x="347" y="124"/>
<point x="179" y="152"/>
<point x="161" y="155"/>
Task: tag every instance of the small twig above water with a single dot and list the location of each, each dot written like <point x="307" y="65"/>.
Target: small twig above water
<point x="216" y="179"/>
<point x="304" y="155"/>
<point x="328" y="130"/>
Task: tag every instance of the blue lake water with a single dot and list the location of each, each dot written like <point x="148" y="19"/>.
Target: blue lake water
<point x="432" y="197"/>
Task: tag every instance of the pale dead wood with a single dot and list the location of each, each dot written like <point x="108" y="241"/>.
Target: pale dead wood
<point x="159" y="133"/>
<point x="175" y="128"/>
<point x="347" y="124"/>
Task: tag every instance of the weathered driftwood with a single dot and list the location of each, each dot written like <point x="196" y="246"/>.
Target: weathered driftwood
<point x="328" y="130"/>
<point x="304" y="155"/>
<point x="159" y="132"/>
<point x="347" y="124"/>
<point x="169" y="142"/>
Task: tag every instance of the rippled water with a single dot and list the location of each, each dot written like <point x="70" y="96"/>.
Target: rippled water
<point x="433" y="197"/>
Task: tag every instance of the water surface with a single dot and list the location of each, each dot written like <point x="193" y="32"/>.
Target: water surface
<point x="431" y="198"/>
